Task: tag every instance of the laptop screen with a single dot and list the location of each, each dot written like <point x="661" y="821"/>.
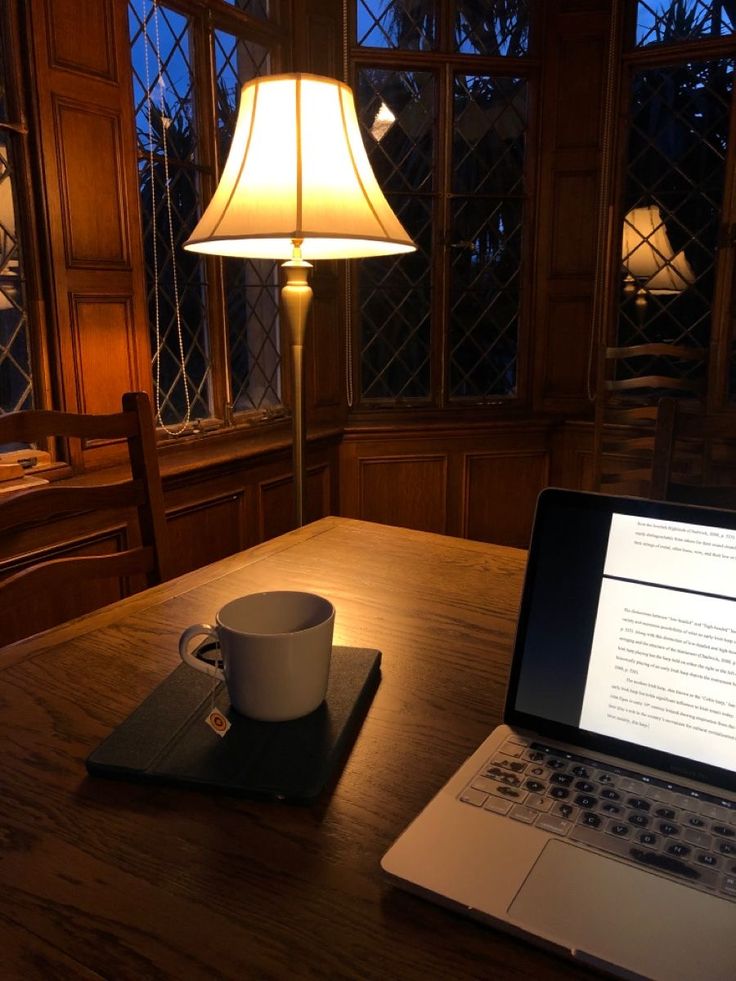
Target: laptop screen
<point x="627" y="632"/>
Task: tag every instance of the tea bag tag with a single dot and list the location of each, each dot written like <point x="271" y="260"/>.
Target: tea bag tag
<point x="217" y="722"/>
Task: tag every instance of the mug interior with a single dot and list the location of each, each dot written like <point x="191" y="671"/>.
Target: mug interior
<point x="275" y="612"/>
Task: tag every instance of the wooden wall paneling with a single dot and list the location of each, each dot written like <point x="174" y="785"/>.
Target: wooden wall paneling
<point x="408" y="490"/>
<point x="86" y="141"/>
<point x="501" y="490"/>
<point x="571" y="457"/>
<point x="205" y="529"/>
<point x="568" y="354"/>
<point x="275" y="502"/>
<point x="473" y="481"/>
<point x="573" y="89"/>
<point x="90" y="169"/>
<point x="94" y="20"/>
<point x="103" y="342"/>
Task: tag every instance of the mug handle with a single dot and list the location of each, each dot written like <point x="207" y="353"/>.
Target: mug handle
<point x="191" y="658"/>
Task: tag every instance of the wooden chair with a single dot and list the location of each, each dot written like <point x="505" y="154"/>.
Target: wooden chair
<point x="694" y="456"/>
<point x="635" y="379"/>
<point x="36" y="578"/>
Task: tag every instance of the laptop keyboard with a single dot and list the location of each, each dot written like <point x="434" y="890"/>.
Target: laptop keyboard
<point x="660" y="826"/>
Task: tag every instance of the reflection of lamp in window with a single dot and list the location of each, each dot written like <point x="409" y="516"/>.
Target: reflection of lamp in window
<point x="675" y="277"/>
<point x="382" y="122"/>
<point x="8" y="256"/>
<point x="649" y="259"/>
<point x="297" y="185"/>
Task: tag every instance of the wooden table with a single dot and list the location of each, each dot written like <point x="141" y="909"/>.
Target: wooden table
<point x="100" y="878"/>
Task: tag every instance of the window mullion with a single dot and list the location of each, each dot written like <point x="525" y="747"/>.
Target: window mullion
<point x="205" y="89"/>
<point x="442" y="234"/>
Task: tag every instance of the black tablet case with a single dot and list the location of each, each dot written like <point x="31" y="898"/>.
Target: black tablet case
<point x="167" y="740"/>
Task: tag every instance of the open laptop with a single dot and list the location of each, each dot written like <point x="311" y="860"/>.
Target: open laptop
<point x="600" y="819"/>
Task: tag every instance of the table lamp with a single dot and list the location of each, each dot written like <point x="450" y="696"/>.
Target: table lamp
<point x="297" y="185"/>
<point x="649" y="260"/>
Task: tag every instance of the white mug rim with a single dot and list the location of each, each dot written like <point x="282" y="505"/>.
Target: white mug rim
<point x="329" y="613"/>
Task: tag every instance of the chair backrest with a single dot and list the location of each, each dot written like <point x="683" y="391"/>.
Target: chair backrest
<point x="694" y="456"/>
<point x="144" y="557"/>
<point x="634" y="381"/>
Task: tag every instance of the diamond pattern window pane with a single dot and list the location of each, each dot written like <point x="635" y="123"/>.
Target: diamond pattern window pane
<point x="170" y="205"/>
<point x="679" y="20"/>
<point x="251" y="301"/>
<point x="395" y="292"/>
<point x="397" y="24"/>
<point x="487" y="215"/>
<point x="16" y="390"/>
<point x="496" y="27"/>
<point x="676" y="163"/>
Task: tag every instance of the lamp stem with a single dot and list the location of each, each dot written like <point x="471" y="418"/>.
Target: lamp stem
<point x="296" y="296"/>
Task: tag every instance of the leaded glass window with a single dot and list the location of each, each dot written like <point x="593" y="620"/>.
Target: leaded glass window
<point x="441" y="325"/>
<point x="170" y="203"/>
<point x="678" y="145"/>
<point x="207" y="337"/>
<point x="663" y="22"/>
<point x="406" y="26"/>
<point x="487" y="220"/>
<point x="251" y="285"/>
<point x="492" y="28"/>
<point x="395" y="291"/>
<point x="16" y="391"/>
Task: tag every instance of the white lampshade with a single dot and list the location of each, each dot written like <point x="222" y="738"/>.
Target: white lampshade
<point x="645" y="248"/>
<point x="675" y="277"/>
<point x="298" y="171"/>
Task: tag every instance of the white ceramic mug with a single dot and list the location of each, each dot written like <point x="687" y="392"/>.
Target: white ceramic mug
<point x="275" y="649"/>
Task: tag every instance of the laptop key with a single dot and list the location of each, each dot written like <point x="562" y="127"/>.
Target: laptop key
<point x="728" y="885"/>
<point x="538" y="802"/>
<point x="705" y="858"/>
<point x="665" y="812"/>
<point x="475" y="797"/>
<point x="590" y="819"/>
<point x="560" y="793"/>
<point x="587" y="801"/>
<point x="521" y="813"/>
<point x="497" y="805"/>
<point x="548" y="822"/>
<point x="648" y="838"/>
<point x="699" y="838"/>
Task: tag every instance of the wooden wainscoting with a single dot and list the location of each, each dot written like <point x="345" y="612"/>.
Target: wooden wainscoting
<point x="475" y="482"/>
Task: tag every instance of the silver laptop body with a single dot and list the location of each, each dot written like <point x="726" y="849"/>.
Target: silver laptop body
<point x="599" y="820"/>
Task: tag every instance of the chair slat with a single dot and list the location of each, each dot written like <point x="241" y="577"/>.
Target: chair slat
<point x="136" y="506"/>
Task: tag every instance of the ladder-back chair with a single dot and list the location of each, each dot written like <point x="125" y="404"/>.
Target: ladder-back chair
<point x="33" y="581"/>
<point x="635" y="379"/>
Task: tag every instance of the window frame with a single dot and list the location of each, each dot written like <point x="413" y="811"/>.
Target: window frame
<point x="445" y="62"/>
<point x="205" y="19"/>
<point x="634" y="58"/>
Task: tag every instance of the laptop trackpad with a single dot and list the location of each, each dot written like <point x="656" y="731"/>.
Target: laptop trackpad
<point x="603" y="910"/>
